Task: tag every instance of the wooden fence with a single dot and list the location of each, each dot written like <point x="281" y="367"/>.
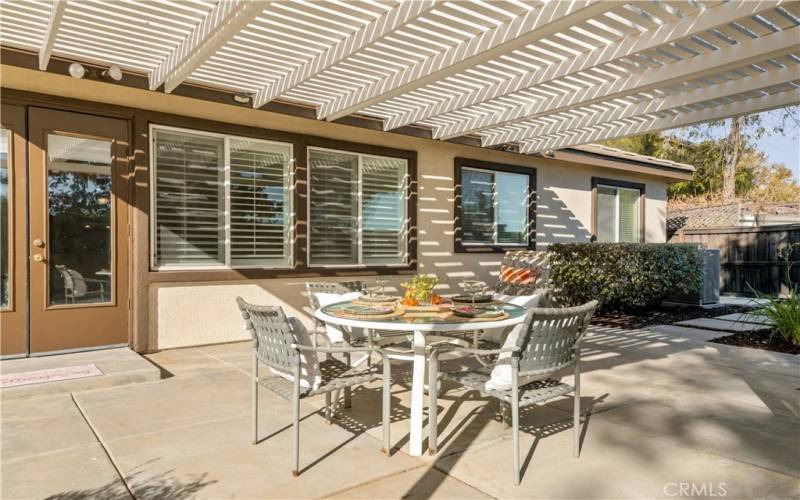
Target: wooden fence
<point x="749" y="256"/>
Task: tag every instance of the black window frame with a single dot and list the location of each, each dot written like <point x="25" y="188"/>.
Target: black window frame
<point x="459" y="165"/>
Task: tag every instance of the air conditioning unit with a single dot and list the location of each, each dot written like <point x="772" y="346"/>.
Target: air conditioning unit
<point x="709" y="290"/>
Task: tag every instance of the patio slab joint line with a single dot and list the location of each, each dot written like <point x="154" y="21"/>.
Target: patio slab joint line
<point x="102" y="445"/>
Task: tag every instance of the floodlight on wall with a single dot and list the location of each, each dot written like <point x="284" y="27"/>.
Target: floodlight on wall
<point x="113" y="72"/>
<point x="76" y="70"/>
<point x="242" y="97"/>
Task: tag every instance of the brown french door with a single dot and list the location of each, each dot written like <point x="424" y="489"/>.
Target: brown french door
<point x="13" y="260"/>
<point x="78" y="237"/>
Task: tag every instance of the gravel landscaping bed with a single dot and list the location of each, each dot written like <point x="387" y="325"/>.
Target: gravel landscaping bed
<point x="767" y="340"/>
<point x="663" y="316"/>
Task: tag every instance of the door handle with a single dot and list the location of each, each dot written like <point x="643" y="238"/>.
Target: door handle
<point x="38" y="257"/>
<point x="38" y="243"/>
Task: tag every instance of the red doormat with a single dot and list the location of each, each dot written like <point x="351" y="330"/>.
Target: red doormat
<point x="51" y="375"/>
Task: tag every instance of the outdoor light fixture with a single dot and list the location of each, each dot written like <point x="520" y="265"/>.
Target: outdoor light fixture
<point x="76" y="70"/>
<point x="550" y="153"/>
<point x="242" y="97"/>
<point x="113" y="73"/>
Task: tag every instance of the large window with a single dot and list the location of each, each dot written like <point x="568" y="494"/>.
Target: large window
<point x="494" y="205"/>
<point x="357" y="209"/>
<point x="618" y="211"/>
<point x="220" y="201"/>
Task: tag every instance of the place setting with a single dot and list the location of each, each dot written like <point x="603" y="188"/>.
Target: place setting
<point x="421" y="302"/>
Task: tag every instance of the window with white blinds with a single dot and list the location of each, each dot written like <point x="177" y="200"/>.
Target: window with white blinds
<point x="220" y="201"/>
<point x="618" y="214"/>
<point x="357" y="209"/>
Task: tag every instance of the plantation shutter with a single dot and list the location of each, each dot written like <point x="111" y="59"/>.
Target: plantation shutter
<point x="383" y="210"/>
<point x="333" y="204"/>
<point x="259" y="203"/>
<point x="189" y="199"/>
<point x="628" y="215"/>
<point x="606" y="214"/>
<point x="477" y="207"/>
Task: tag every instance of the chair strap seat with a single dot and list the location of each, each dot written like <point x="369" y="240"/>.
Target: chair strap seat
<point x="529" y="394"/>
<point x="335" y="375"/>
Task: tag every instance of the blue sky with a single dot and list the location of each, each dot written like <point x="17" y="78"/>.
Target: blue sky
<point x="780" y="148"/>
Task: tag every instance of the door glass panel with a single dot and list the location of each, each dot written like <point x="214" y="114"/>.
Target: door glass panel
<point x="5" y="224"/>
<point x="80" y="219"/>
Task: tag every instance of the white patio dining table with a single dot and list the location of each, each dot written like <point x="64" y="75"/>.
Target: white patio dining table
<point x="421" y="327"/>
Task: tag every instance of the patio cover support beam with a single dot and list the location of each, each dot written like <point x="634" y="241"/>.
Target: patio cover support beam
<point x="666" y="33"/>
<point x="597" y="118"/>
<point x="406" y="12"/>
<point x="737" y="108"/>
<point x="218" y="27"/>
<point x="56" y="13"/>
<point x="724" y="59"/>
<point x="544" y="21"/>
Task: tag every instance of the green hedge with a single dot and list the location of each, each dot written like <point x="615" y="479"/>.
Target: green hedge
<point x="624" y="276"/>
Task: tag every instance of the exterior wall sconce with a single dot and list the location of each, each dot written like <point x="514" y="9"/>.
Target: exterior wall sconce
<point x="242" y="98"/>
<point x="113" y="72"/>
<point x="77" y="71"/>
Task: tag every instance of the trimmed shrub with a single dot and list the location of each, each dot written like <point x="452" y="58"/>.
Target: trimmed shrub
<point x="624" y="276"/>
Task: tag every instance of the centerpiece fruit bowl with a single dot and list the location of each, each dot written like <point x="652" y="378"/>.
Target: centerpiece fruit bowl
<point x="420" y="291"/>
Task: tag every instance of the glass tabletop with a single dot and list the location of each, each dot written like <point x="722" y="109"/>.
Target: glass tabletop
<point x="417" y="317"/>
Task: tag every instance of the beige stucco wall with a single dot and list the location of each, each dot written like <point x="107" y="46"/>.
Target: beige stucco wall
<point x="190" y="314"/>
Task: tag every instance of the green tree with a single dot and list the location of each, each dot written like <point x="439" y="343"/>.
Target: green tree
<point x="728" y="163"/>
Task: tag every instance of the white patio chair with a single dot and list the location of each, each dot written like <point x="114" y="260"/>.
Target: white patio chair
<point x="549" y="340"/>
<point x="276" y="344"/>
<point x="77" y="288"/>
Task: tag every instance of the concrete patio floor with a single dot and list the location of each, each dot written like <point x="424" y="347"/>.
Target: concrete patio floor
<point x="665" y="409"/>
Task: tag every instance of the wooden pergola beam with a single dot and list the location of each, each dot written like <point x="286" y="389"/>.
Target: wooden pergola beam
<point x="221" y="24"/>
<point x="551" y="18"/>
<point x="664" y="34"/>
<point x="390" y="22"/>
<point x="724" y="59"/>
<point x="630" y="128"/>
<point x="49" y="40"/>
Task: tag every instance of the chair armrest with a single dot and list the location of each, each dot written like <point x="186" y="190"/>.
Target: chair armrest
<point x="468" y="350"/>
<point x="301" y="347"/>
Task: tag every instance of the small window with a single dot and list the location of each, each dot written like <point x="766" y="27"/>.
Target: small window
<point x="357" y="209"/>
<point x="618" y="214"/>
<point x="495" y="206"/>
<point x="220" y="201"/>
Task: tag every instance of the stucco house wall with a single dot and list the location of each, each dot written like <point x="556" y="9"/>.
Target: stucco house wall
<point x="183" y="314"/>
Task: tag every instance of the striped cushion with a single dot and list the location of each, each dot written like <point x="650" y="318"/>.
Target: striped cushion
<point x="518" y="275"/>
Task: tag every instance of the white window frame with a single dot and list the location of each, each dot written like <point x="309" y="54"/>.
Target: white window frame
<point x="153" y="216"/>
<point x="616" y="210"/>
<point x="495" y="206"/>
<point x="359" y="216"/>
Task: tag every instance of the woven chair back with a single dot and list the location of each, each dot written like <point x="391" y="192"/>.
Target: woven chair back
<point x="313" y="288"/>
<point x="272" y="334"/>
<point x="551" y="336"/>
